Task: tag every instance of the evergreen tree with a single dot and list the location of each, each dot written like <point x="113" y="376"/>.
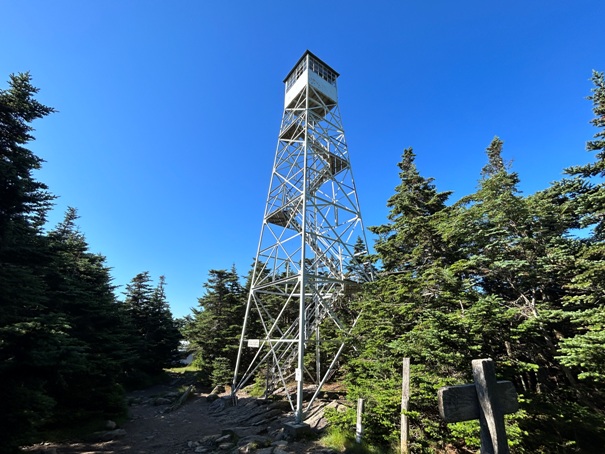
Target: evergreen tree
<point x="584" y="351"/>
<point x="157" y="335"/>
<point x="518" y="261"/>
<point x="401" y="311"/>
<point x="216" y="325"/>
<point x="486" y="277"/>
<point x="31" y="339"/>
<point x="24" y="201"/>
<point x="406" y="241"/>
<point x="86" y="384"/>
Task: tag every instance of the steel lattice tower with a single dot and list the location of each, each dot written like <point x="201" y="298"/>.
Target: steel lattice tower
<point x="308" y="260"/>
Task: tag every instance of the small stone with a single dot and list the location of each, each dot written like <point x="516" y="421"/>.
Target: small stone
<point x="224" y="438"/>
<point x="110" y="425"/>
<point x="209" y="439"/>
<point x="265" y="450"/>
<point x="228" y="432"/>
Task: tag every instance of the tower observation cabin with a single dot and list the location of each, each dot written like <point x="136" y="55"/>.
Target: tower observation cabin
<point x="314" y="72"/>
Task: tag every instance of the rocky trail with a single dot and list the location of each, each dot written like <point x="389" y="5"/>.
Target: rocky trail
<point x="165" y="421"/>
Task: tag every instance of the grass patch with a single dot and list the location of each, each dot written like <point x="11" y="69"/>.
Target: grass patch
<point x="344" y="441"/>
<point x="182" y="370"/>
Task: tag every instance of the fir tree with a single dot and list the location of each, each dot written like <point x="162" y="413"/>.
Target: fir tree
<point x="31" y="338"/>
<point x="156" y="333"/>
<point x="584" y="351"/>
<point x="216" y="325"/>
<point x="406" y="241"/>
<point x="80" y="290"/>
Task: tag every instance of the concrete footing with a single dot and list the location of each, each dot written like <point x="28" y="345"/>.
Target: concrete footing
<point x="295" y="431"/>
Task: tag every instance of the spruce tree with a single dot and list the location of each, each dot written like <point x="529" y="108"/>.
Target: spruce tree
<point x="31" y="338"/>
<point x="80" y="290"/>
<point x="584" y="351"/>
<point x="401" y="311"/>
<point x="156" y="334"/>
<point x="406" y="241"/>
<point x="216" y="325"/>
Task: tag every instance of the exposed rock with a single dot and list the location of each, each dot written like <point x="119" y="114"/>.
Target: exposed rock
<point x="110" y="425"/>
<point x="218" y="389"/>
<point x="231" y="432"/>
<point x="283" y="405"/>
<point x="254" y="442"/>
<point x="135" y="401"/>
<point x="246" y="426"/>
<point x="316" y="418"/>
<point x="209" y="439"/>
<point x="182" y="398"/>
<point x="224" y="438"/>
<point x="265" y="417"/>
<point x="45" y="450"/>
<point x="265" y="450"/>
<point x="212" y="398"/>
<point x="245" y="431"/>
<point x="111" y="434"/>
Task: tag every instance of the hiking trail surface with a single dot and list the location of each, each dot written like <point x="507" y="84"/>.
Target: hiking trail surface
<point x="165" y="419"/>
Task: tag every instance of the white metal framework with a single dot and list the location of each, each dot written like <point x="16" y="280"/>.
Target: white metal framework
<point x="307" y="265"/>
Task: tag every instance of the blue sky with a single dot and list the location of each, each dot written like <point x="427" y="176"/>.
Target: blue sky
<point x="169" y="111"/>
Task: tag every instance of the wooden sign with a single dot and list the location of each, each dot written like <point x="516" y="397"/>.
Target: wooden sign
<point x="460" y="402"/>
<point x="487" y="400"/>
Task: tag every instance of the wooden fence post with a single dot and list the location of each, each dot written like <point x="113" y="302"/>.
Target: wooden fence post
<point x="405" y="400"/>
<point x="491" y="416"/>
<point x="359" y="426"/>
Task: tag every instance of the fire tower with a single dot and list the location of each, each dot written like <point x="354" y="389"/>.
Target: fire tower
<point x="309" y="259"/>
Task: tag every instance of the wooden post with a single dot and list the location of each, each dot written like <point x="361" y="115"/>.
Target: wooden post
<point x="491" y="416"/>
<point x="487" y="400"/>
<point x="359" y="426"/>
<point x="405" y="400"/>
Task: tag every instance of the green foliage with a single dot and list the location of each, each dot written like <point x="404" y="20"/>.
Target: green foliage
<point x="215" y="327"/>
<point x="222" y="373"/>
<point x="65" y="343"/>
<point x="341" y="433"/>
<point x="79" y="287"/>
<point x="494" y="275"/>
<point x="156" y="335"/>
<point x="344" y="441"/>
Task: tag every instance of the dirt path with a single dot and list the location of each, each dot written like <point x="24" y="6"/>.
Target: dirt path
<point x="149" y="430"/>
<point x="194" y="427"/>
